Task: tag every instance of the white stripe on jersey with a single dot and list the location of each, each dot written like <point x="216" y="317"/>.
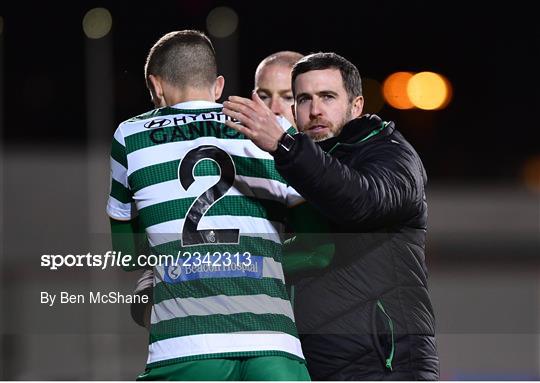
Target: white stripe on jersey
<point x="221" y="343"/>
<point x="165" y="232"/>
<point x="220" y="304"/>
<point x="119" y="173"/>
<point x="119" y="136"/>
<point x="173" y="151"/>
<point x="261" y="188"/>
<point x="121" y="211"/>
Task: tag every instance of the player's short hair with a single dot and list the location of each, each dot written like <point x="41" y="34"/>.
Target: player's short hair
<point x="285" y="58"/>
<point x="183" y="58"/>
<point x="330" y="60"/>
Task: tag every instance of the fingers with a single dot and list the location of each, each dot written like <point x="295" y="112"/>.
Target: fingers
<point x="255" y="97"/>
<point x="235" y="107"/>
<point x="241" y="103"/>
<point x="239" y="111"/>
<point x="236" y="115"/>
<point x="239" y="100"/>
<point x="245" y="104"/>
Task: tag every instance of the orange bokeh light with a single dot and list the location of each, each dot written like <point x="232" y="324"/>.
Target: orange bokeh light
<point x="531" y="173"/>
<point x="429" y="91"/>
<point x="395" y="90"/>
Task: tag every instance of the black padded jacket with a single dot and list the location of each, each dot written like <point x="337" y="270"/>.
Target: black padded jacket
<point x="367" y="315"/>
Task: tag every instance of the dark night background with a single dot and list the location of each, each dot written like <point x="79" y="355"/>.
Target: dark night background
<point x="483" y="241"/>
<point x="488" y="52"/>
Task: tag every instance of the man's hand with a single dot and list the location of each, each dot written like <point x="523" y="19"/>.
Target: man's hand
<point x="259" y="124"/>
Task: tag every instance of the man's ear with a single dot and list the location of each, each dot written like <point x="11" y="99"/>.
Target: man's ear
<point x="357" y="107"/>
<point x="156" y="90"/>
<point x="218" y="87"/>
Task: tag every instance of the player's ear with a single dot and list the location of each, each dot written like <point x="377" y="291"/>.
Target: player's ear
<point x="218" y="87"/>
<point x="156" y="90"/>
<point x="357" y="107"/>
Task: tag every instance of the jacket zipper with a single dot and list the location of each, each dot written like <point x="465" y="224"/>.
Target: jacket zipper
<point x="391" y="324"/>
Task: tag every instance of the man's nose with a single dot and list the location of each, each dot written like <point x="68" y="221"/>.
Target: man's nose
<point x="315" y="107"/>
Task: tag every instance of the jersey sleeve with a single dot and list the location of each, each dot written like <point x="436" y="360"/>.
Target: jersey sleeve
<point x="286" y="125"/>
<point x="120" y="205"/>
<point x="293" y="197"/>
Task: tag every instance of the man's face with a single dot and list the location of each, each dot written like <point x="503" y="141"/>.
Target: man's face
<point x="273" y="86"/>
<point x="322" y="105"/>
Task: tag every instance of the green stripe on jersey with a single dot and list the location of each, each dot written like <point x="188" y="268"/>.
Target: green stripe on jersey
<point x="207" y="287"/>
<point x="253" y="245"/>
<point x="228" y="205"/>
<point x="118" y="153"/>
<point x="120" y="192"/>
<point x="219" y="323"/>
<point x="168" y="171"/>
<point x="177" y="133"/>
<point x="292" y="131"/>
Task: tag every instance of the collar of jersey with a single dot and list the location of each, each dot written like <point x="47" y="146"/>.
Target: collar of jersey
<point x="198" y="104"/>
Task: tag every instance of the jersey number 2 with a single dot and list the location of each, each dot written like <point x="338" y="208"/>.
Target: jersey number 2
<point x="190" y="234"/>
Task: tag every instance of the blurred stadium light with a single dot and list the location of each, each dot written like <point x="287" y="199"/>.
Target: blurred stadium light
<point x="428" y="91"/>
<point x="222" y="22"/>
<point x="424" y="90"/>
<point x="395" y="90"/>
<point x="531" y="173"/>
<point x="97" y="23"/>
<point x="222" y="25"/>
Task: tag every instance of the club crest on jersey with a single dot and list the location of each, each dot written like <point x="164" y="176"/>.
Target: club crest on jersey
<point x="173" y="272"/>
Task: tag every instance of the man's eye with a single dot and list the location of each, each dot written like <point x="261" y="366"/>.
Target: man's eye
<point x="289" y="99"/>
<point x="263" y="97"/>
<point x="328" y="97"/>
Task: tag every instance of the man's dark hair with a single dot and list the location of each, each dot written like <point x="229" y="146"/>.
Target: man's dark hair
<point x="330" y="60"/>
<point x="183" y="58"/>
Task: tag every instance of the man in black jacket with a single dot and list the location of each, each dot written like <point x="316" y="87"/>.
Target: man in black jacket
<point x="367" y="315"/>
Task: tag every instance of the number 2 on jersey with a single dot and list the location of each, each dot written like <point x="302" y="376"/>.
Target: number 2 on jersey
<point x="190" y="234"/>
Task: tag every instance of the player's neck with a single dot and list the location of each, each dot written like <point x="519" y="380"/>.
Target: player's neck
<point x="189" y="94"/>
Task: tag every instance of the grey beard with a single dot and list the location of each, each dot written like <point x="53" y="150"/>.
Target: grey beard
<point x="337" y="132"/>
<point x="346" y="119"/>
<point x="329" y="135"/>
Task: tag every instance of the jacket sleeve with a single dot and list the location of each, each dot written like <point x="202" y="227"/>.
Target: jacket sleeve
<point x="382" y="187"/>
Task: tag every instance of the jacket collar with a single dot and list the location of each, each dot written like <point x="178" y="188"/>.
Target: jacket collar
<point x="357" y="131"/>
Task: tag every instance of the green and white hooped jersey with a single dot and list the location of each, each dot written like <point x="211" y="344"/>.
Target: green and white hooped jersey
<point x="206" y="195"/>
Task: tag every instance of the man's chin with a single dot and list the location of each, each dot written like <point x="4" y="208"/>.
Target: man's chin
<point x="321" y="136"/>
